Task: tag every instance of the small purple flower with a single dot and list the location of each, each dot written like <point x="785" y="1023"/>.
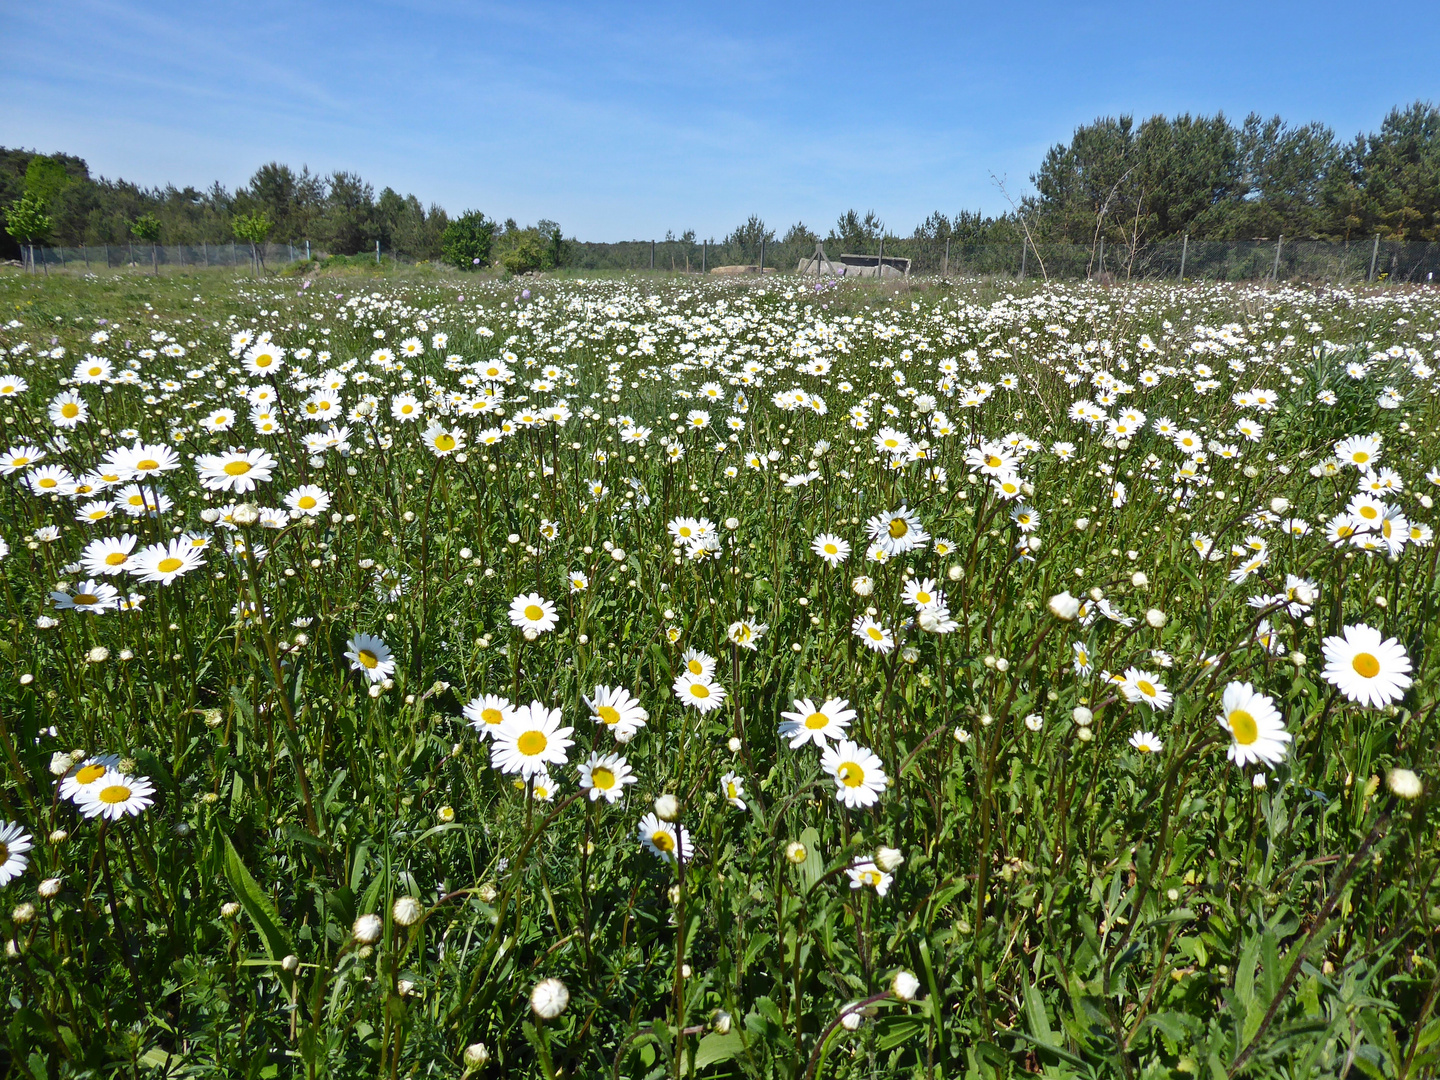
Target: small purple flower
<point x="524" y="294"/>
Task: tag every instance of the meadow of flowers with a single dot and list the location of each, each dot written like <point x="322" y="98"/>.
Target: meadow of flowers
<point x="643" y="678"/>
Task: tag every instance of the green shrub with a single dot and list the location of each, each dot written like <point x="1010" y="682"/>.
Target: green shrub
<point x="465" y="243"/>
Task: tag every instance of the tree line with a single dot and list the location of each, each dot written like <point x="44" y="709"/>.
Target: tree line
<point x="1116" y="180"/>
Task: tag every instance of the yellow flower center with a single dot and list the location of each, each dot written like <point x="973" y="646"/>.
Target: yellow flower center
<point x="1146" y="688"/>
<point x="532" y="743"/>
<point x="1360" y="457"/>
<point x="368" y="659"/>
<point x="115" y="558"/>
<point x="89" y="774"/>
<point x="662" y="840"/>
<point x="48" y="482"/>
<point x="731" y="792"/>
<point x="609" y="714"/>
<point x="831" y="549"/>
<point x="1366" y="665"/>
<point x="306" y="502"/>
<point x="875" y="633"/>
<point x="115" y="793"/>
<point x="1369" y="512"/>
<point x="817" y="720"/>
<point x="898" y="528"/>
<point x="19" y="461"/>
<point x="700" y="690"/>
<point x="85" y="600"/>
<point x="237" y="468"/>
<point x="147" y="465"/>
<point x="444" y="442"/>
<point x="602" y="778"/>
<point x="850" y="774"/>
<point x="491" y="716"/>
<point x="696" y="668"/>
<point x="922" y="598"/>
<point x="69" y="410"/>
<point x="1243" y="727"/>
<point x="992" y="461"/>
<point x="534" y="612"/>
<point x="169" y="565"/>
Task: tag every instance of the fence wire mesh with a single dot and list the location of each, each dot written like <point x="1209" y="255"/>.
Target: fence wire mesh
<point x="1173" y="260"/>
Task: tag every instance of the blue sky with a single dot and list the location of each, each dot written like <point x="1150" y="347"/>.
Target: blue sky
<point x="624" y="120"/>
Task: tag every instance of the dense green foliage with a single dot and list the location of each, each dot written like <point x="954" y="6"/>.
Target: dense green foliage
<point x="466" y="242"/>
<point x="1132" y="184"/>
<point x="1209" y="178"/>
<point x="1063" y="870"/>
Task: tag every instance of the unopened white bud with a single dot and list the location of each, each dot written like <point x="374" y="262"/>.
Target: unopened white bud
<point x="905" y="986"/>
<point x="549" y="998"/>
<point x="366" y="929"/>
<point x="1064" y="606"/>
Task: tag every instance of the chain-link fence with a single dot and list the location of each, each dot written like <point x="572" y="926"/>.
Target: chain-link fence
<point x="1191" y="260"/>
<point x="154" y="256"/>
<point x="1172" y="260"/>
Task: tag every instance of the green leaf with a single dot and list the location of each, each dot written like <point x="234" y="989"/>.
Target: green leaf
<point x="813" y="868"/>
<point x="715" y="1047"/>
<point x="1035" y="1015"/>
<point x="894" y="1030"/>
<point x="256" y="904"/>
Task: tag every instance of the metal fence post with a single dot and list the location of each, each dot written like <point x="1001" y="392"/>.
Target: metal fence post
<point x="377" y="252"/>
<point x="704" y="251"/>
<point x="762" y="256"/>
<point x="307" y="250"/>
<point x="880" y="260"/>
<point x="1024" y="255"/>
<point x="1374" y="254"/>
<point x="652" y="254"/>
<point x="1275" y="270"/>
<point x="1184" y="250"/>
<point x="944" y="273"/>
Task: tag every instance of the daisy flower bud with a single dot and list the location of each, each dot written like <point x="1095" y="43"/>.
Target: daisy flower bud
<point x="1155" y="617"/>
<point x="850" y="1021"/>
<point x="549" y="999"/>
<point x="229" y="909"/>
<point x="905" y="985"/>
<point x="889" y="859"/>
<point x="476" y="1055"/>
<point x="1082" y="716"/>
<point x="667" y="807"/>
<point x="1404" y="783"/>
<point x="366" y="929"/>
<point x="795" y="852"/>
<point x="1064" y="606"/>
<point x="50" y="888"/>
<point x="863" y="586"/>
<point x="290" y="964"/>
<point x="407" y="911"/>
